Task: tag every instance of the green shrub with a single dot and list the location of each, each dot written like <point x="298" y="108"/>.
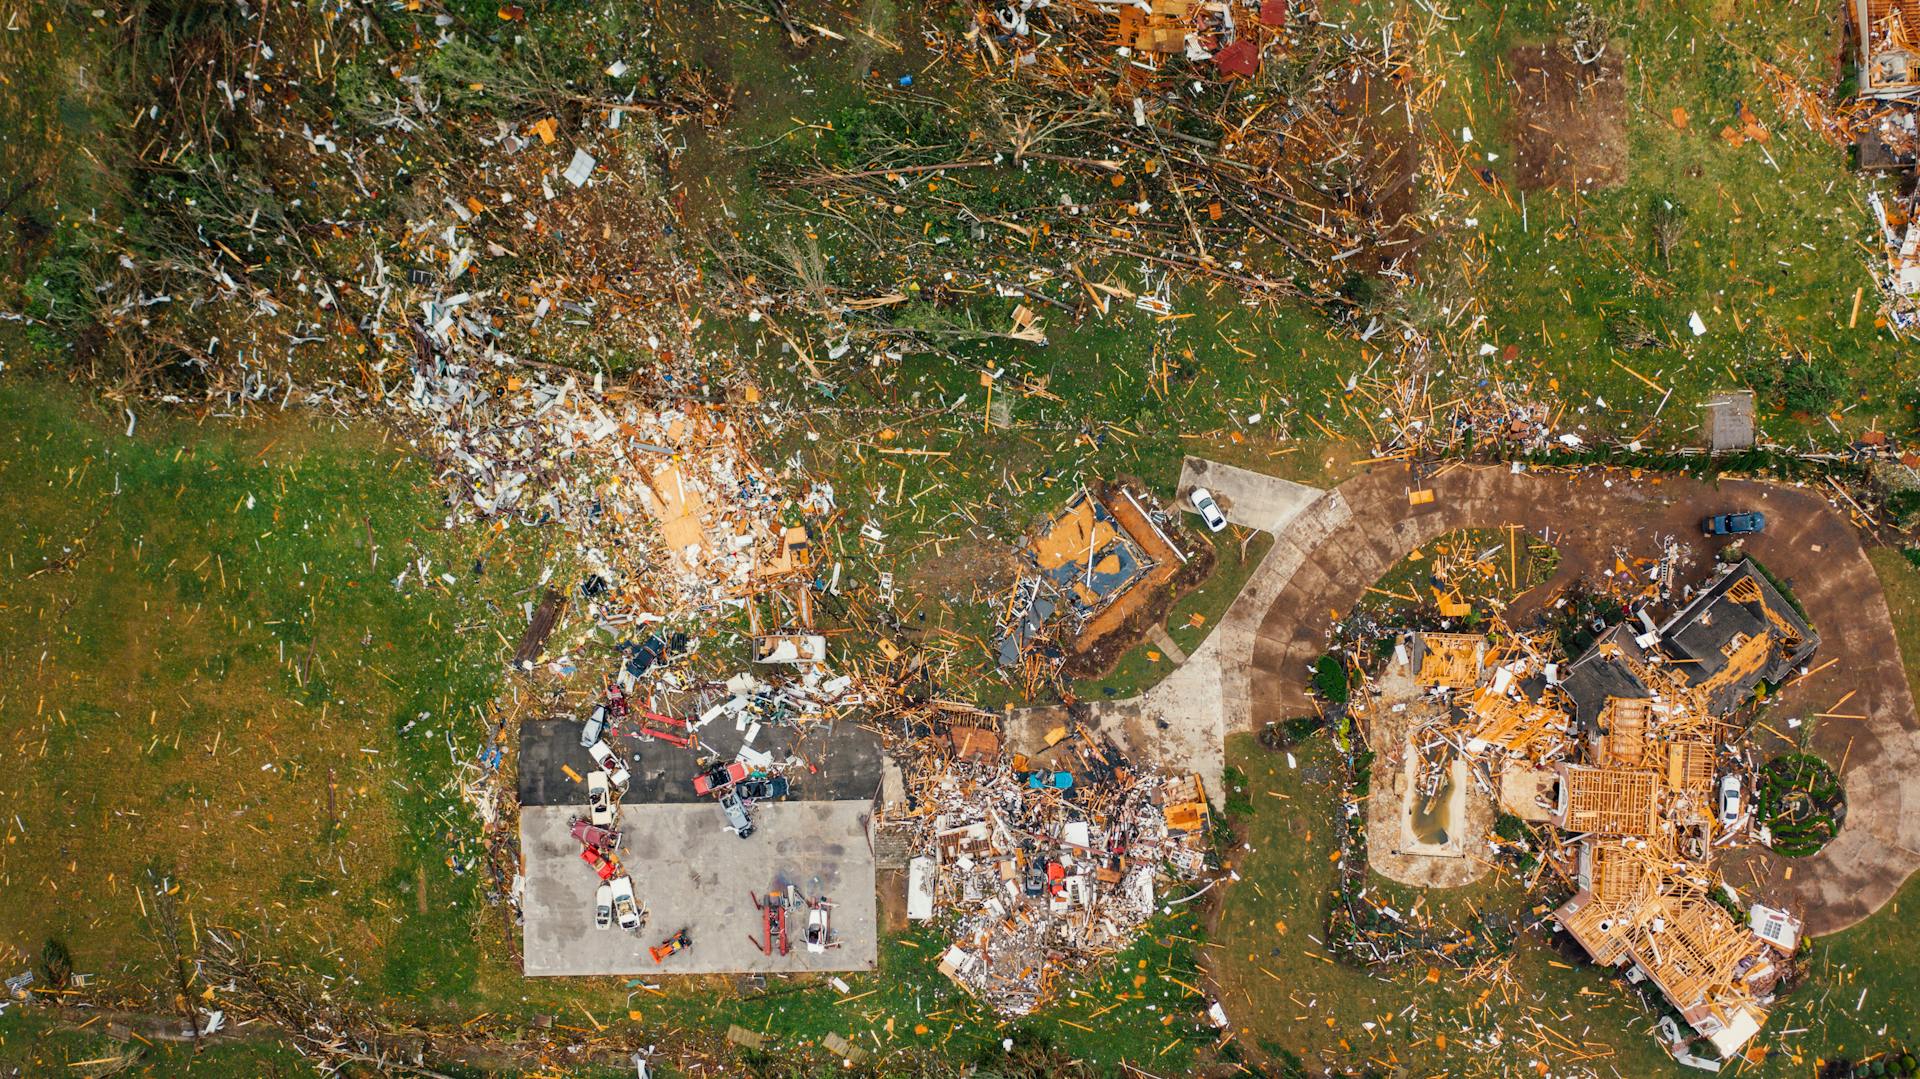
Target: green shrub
<point x="1802" y="383"/>
<point x="1330" y="680"/>
<point x="1237" y="801"/>
<point x="1511" y="828"/>
<point x="1799" y="799"/>
<point x="56" y="964"/>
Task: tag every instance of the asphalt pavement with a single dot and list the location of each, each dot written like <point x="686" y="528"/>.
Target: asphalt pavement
<point x="831" y="762"/>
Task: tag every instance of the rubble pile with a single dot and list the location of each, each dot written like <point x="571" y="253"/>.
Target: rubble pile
<point x="668" y="506"/>
<point x="1039" y="867"/>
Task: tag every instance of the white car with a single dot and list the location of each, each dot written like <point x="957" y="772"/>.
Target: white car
<point x="600" y="799"/>
<point x="1207" y="508"/>
<point x="624" y="908"/>
<point x="593" y="726"/>
<point x="819" y="927"/>
<point x="603" y="907"/>
<point x="1728" y="797"/>
<point x="609" y="762"/>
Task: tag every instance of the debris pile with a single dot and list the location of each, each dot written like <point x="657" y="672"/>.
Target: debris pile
<point x="1040" y="866"/>
<point x="1899" y="227"/>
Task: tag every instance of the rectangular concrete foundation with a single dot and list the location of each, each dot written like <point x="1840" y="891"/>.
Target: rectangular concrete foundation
<point x="691" y="872"/>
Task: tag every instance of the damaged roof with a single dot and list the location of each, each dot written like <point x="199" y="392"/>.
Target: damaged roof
<point x="1708" y="636"/>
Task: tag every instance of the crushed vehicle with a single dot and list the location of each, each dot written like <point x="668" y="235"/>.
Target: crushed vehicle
<point x="736" y="810"/>
<point x="673" y="945"/>
<point x="819" y="934"/>
<point x="600" y="799"/>
<point x="603" y="907"/>
<point x="594" y="726"/>
<point x="624" y="906"/>
<point x="719" y="777"/>
<point x="602" y="864"/>
<point x="642" y="657"/>
<point x="605" y="759"/>
<point x="764" y="788"/>
<point x="595" y="836"/>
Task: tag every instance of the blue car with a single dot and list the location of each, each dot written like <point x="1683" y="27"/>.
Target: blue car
<point x="1734" y="524"/>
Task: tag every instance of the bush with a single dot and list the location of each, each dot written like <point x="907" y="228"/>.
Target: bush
<point x="56" y="964"/>
<point x="1290" y="733"/>
<point x="1800" y="800"/>
<point x="1511" y="828"/>
<point x="1903" y="507"/>
<point x="1330" y="680"/>
<point x="1236" y="800"/>
<point x="1801" y="383"/>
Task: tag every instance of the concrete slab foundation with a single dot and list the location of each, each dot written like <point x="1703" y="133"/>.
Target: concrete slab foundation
<point x="693" y="873"/>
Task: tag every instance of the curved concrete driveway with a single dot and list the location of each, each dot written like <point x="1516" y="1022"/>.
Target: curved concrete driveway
<point x="1327" y="554"/>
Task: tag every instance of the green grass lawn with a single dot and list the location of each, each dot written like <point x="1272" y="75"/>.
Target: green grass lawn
<point x="1768" y="250"/>
<point x="205" y="654"/>
<point x="36" y="1046"/>
<point x="1285" y="994"/>
<point x="212" y="673"/>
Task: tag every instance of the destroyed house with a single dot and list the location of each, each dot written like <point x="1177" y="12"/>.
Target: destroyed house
<point x="1087" y="554"/>
<point x="1509" y="721"/>
<point x="1605" y="673"/>
<point x="1084" y="558"/>
<point x="1737" y="634"/>
<point x="1606" y="801"/>
<point x="1888" y="33"/>
<point x="1448" y="660"/>
<point x="1633" y="907"/>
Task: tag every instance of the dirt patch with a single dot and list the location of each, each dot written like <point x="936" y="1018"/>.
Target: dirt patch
<point x="892" y="886"/>
<point x="987" y="566"/>
<point x="1569" y="120"/>
<point x="1388" y="162"/>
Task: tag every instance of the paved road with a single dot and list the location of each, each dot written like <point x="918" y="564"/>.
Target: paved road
<point x="1350" y="536"/>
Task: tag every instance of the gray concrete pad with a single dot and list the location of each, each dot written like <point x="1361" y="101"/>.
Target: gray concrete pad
<point x="1729" y="422"/>
<point x="1250" y="499"/>
<point x="690" y="872"/>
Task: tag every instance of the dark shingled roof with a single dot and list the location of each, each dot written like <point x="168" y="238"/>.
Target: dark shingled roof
<point x="1702" y="628"/>
<point x="1592" y="678"/>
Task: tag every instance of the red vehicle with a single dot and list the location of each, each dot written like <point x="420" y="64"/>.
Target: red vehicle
<point x="673" y="945"/>
<point x="594" y="837"/>
<point x="773" y="924"/>
<point x="719" y="777"/>
<point x="602" y="864"/>
<point x="617" y="705"/>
